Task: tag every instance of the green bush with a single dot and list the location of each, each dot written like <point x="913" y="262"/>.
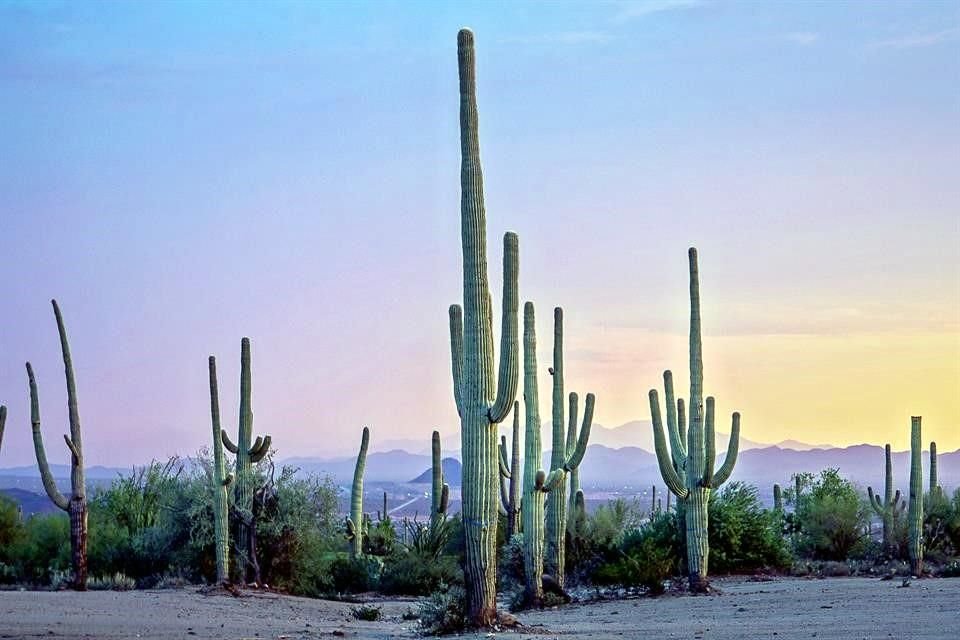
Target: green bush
<point x="366" y="612"/>
<point x="744" y="537"/>
<point x="832" y="518"/>
<point x="43" y="549"/>
<point x="354" y="575"/>
<point x="415" y="574"/>
<point x="444" y="611"/>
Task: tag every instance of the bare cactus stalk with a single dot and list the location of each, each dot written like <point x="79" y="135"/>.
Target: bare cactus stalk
<point x="357" y="525"/>
<point x="76" y="505"/>
<point x="777" y="498"/>
<point x="891" y="507"/>
<point x="688" y="467"/>
<point x="221" y="481"/>
<point x="510" y="476"/>
<point x="915" y="514"/>
<point x="483" y="397"/>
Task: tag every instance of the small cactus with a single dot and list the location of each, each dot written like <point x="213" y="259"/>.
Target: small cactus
<point x="76" y="504"/>
<point x="891" y="507"/>
<point x="220" y="480"/>
<point x="935" y="489"/>
<point x="357" y="525"/>
<point x="777" y="499"/>
<point x="915" y="513"/>
<point x="510" y="476"/>
<point x="440" y="493"/>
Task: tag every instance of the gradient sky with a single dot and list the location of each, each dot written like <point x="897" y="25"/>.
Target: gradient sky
<point x="179" y="175"/>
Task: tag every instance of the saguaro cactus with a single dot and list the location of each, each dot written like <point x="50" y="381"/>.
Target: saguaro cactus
<point x="891" y="507"/>
<point x="482" y="401"/>
<point x="356" y="524"/>
<point x="3" y="422"/>
<point x="510" y="476"/>
<point x="76" y="505"/>
<point x="573" y="525"/>
<point x="247" y="454"/>
<point x="915" y="513"/>
<point x="934" y="479"/>
<point x="220" y="480"/>
<point x="688" y="468"/>
<point x="536" y="483"/>
<point x="566" y="454"/>
<point x="440" y="493"/>
<point x="777" y="498"/>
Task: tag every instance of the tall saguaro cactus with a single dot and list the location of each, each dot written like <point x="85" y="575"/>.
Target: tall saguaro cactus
<point x="247" y="454"/>
<point x="915" y="513"/>
<point x="221" y="481"/>
<point x="777" y="498"/>
<point x="510" y="476"/>
<point x="536" y="483"/>
<point x="483" y="397"/>
<point x="76" y="504"/>
<point x="440" y="493"/>
<point x="688" y="468"/>
<point x="3" y="422"/>
<point x="890" y="508"/>
<point x="566" y="454"/>
<point x="356" y="525"/>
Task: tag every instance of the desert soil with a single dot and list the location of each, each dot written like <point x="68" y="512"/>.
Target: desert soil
<point x="835" y="608"/>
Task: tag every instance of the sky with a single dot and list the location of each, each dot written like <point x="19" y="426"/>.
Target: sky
<point x="182" y="174"/>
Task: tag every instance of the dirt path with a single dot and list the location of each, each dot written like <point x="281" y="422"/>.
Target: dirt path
<point x="837" y="608"/>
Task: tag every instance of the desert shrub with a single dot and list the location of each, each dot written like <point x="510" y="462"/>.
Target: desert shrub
<point x="414" y="574"/>
<point x="432" y="542"/>
<point x="510" y="569"/>
<point x="381" y="538"/>
<point x="641" y="563"/>
<point x="951" y="570"/>
<point x="366" y="612"/>
<point x="354" y="575"/>
<point x="115" y="582"/>
<point x="941" y="523"/>
<point x="833" y="517"/>
<point x="444" y="611"/>
<point x="600" y="538"/>
<point x="744" y="537"/>
<point x="43" y="549"/>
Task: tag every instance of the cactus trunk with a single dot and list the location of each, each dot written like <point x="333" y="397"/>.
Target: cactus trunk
<point x="483" y="398"/>
<point x="510" y="476"/>
<point x="76" y="505"/>
<point x="3" y="422"/>
<point x="356" y="525"/>
<point x="534" y="498"/>
<point x="777" y="498"/>
<point x="220" y="482"/>
<point x="915" y="514"/>
<point x="688" y="467"/>
<point x="934" y="479"/>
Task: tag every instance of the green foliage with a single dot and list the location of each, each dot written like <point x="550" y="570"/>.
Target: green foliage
<point x="355" y="575"/>
<point x="444" y="611"/>
<point x="115" y="582"/>
<point x="366" y="612"/>
<point x="744" y="537"/>
<point x="432" y="541"/>
<point x="417" y="574"/>
<point x="381" y="538"/>
<point x="641" y="564"/>
<point x="832" y="518"/>
<point x="941" y="523"/>
<point x="41" y="550"/>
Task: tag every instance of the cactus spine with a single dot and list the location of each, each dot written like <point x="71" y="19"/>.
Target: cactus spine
<point x="247" y="454"/>
<point x="220" y="481"/>
<point x="688" y="467"/>
<point x="440" y="491"/>
<point x="483" y="398"/>
<point x="356" y="523"/>
<point x="934" y="479"/>
<point x="566" y="454"/>
<point x="510" y="476"/>
<point x="76" y="505"/>
<point x="891" y="507"/>
<point x="915" y="514"/>
<point x="777" y="498"/>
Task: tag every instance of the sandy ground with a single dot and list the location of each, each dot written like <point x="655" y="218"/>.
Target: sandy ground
<point x="836" y="608"/>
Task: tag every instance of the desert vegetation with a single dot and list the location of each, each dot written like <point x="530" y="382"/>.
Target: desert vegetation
<point x="523" y="538"/>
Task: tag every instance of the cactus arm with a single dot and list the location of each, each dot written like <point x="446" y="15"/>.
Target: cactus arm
<point x="504" y="495"/>
<point x="444" y="499"/>
<point x="456" y="354"/>
<point x="696" y="352"/>
<point x="874" y="501"/>
<point x="515" y="459"/>
<point x="75" y="455"/>
<point x="573" y="462"/>
<point x="573" y="410"/>
<point x="3" y="422"/>
<point x="664" y="461"/>
<point x="677" y="447"/>
<point x="682" y="425"/>
<point x="255" y="446"/>
<point x="257" y="453"/>
<point x="733" y="450"/>
<point x="509" y="343"/>
<point x="228" y="445"/>
<point x="502" y="458"/>
<point x="552" y="481"/>
<point x="559" y="447"/>
<point x="45" y="475"/>
<point x="710" y="445"/>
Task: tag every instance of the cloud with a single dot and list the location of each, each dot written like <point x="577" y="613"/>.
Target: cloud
<point x="563" y="37"/>
<point x="802" y="38"/>
<point x="918" y="40"/>
<point x="634" y="9"/>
